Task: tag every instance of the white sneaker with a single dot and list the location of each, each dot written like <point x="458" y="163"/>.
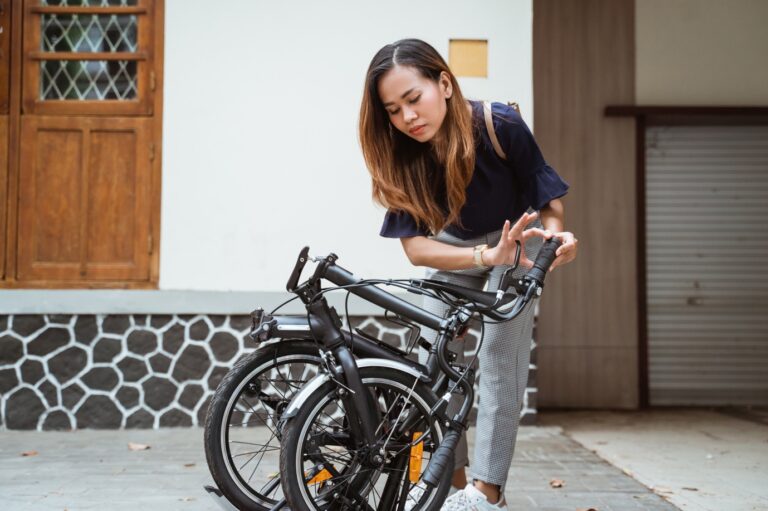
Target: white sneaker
<point x="415" y="494"/>
<point x="471" y="499"/>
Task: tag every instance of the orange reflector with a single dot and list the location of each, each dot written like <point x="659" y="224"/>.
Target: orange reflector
<point x="321" y="476"/>
<point x="414" y="468"/>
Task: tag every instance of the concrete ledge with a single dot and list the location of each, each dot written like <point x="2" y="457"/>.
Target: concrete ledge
<point x="120" y="301"/>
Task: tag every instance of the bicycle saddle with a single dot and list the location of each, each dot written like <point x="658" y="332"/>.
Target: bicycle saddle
<point x="486" y="298"/>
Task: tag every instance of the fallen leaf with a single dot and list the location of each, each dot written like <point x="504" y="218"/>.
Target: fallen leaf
<point x="557" y="483"/>
<point x="689" y="488"/>
<point x="29" y="453"/>
<point x="586" y="509"/>
<point x="189" y="465"/>
<point x="137" y="447"/>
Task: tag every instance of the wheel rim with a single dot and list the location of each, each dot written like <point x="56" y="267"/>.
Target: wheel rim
<point x="351" y="480"/>
<point x="249" y="438"/>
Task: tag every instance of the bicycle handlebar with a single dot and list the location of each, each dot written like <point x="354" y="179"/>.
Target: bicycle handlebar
<point x="487" y="303"/>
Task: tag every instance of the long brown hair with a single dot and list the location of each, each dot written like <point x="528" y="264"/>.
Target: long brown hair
<point x="409" y="175"/>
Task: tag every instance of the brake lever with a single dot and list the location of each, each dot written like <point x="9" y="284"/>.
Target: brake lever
<point x="506" y="277"/>
<point x="298" y="267"/>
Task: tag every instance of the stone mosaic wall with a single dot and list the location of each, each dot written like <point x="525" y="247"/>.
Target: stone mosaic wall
<point x="132" y="371"/>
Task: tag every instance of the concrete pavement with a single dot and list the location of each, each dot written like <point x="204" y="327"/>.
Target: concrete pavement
<point x="90" y="470"/>
<point x="701" y="460"/>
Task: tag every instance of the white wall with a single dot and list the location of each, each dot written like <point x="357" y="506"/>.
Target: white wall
<point x="260" y="149"/>
<point x="702" y="52"/>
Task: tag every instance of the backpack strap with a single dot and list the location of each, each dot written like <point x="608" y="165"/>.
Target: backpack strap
<point x="491" y="131"/>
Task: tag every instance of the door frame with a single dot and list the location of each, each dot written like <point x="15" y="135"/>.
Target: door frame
<point x="664" y="116"/>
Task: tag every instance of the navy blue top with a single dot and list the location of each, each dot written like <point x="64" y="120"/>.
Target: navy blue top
<point x="499" y="189"/>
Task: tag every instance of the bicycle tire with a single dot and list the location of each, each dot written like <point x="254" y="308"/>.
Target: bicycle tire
<point x="225" y="438"/>
<point x="337" y="481"/>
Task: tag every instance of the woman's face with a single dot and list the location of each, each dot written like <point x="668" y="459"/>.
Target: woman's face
<point x="416" y="105"/>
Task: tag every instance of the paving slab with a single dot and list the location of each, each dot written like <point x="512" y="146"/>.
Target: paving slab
<point x="95" y="470"/>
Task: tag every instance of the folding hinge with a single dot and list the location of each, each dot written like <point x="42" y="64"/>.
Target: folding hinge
<point x="152" y="152"/>
<point x="152" y="83"/>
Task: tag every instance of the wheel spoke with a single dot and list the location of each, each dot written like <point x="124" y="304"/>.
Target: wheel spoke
<point x="257" y="464"/>
<point x="251" y="422"/>
<point x="257" y="416"/>
<point x="265" y="449"/>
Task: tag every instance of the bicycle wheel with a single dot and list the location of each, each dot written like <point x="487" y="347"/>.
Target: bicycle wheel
<point x="323" y="466"/>
<point x="241" y="436"/>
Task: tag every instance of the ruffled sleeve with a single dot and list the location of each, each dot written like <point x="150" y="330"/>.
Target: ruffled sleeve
<point x="540" y="183"/>
<point x="400" y="224"/>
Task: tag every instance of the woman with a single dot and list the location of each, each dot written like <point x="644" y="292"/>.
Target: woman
<point x="450" y="198"/>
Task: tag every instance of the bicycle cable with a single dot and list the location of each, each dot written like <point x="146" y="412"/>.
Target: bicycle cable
<point x="474" y="357"/>
<point x="284" y="304"/>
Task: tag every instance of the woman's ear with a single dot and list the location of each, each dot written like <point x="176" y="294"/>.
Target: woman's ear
<point x="446" y="87"/>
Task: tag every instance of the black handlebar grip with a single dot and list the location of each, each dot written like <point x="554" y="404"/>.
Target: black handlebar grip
<point x="442" y="459"/>
<point x="544" y="260"/>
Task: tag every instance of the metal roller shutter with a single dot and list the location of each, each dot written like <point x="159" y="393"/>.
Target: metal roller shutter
<point x="707" y="257"/>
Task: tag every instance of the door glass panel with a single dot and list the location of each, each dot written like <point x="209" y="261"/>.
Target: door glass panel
<point x="81" y="80"/>
<point x="89" y="33"/>
<point x="88" y="79"/>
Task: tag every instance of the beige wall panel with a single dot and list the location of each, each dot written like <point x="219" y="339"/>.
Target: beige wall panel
<point x="468" y="57"/>
<point x="598" y="377"/>
<point x="702" y="52"/>
<point x="583" y="61"/>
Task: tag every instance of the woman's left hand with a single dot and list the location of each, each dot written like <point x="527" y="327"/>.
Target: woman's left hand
<point x="567" y="251"/>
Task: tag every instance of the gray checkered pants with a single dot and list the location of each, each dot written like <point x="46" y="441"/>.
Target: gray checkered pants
<point x="503" y="365"/>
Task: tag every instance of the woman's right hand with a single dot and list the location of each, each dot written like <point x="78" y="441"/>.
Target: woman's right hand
<point x="504" y="251"/>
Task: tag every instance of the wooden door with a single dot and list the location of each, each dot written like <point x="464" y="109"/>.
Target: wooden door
<point x="84" y="199"/>
<point x="85" y="124"/>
